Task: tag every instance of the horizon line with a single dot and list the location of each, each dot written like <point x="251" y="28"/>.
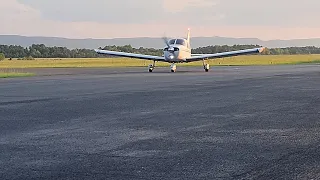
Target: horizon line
<point x="90" y="38"/>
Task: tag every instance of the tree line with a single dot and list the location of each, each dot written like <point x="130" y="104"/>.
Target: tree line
<point x="42" y="51"/>
<point x="268" y="51"/>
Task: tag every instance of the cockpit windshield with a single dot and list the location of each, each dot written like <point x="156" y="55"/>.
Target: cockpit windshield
<point x="181" y="42"/>
<point x="172" y="41"/>
<point x="178" y="42"/>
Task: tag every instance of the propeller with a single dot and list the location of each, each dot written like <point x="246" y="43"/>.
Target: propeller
<point x="165" y="39"/>
<point x="170" y="49"/>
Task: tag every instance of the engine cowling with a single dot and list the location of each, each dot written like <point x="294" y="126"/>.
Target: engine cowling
<point x="171" y="53"/>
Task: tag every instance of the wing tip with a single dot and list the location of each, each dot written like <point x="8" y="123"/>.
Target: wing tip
<point x="99" y="51"/>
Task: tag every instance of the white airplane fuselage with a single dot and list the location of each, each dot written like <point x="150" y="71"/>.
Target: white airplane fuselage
<point x="177" y="52"/>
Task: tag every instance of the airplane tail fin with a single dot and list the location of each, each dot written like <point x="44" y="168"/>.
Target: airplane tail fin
<point x="188" y="37"/>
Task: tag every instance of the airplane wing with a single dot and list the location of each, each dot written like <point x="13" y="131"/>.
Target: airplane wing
<point x="199" y="57"/>
<point x="130" y="55"/>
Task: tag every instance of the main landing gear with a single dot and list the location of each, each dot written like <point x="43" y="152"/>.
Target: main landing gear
<point x="152" y="66"/>
<point x="206" y="67"/>
<point x="173" y="67"/>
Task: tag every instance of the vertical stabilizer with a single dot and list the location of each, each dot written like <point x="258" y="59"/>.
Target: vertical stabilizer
<point x="188" y="38"/>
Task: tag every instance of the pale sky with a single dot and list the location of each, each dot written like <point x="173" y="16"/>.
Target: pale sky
<point x="269" y="19"/>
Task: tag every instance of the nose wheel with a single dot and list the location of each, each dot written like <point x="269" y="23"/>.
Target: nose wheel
<point x="173" y="67"/>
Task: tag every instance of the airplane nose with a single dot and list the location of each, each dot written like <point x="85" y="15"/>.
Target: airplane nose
<point x="171" y="52"/>
<point x="169" y="55"/>
<point x="171" y="49"/>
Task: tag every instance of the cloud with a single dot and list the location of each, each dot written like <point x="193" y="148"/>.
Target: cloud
<point x="126" y="11"/>
<point x="12" y="10"/>
<point x="102" y="11"/>
<point x="128" y="18"/>
<point x="284" y="13"/>
<point x="16" y="17"/>
<point x="181" y="5"/>
<point x="289" y="13"/>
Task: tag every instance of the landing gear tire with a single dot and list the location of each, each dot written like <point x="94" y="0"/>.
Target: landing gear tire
<point x="151" y="67"/>
<point x="206" y="67"/>
<point x="173" y="68"/>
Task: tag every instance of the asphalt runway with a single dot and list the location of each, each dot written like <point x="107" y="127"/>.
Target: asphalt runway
<point x="259" y="122"/>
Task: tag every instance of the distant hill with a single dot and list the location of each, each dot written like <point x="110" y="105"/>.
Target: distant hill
<point x="149" y="42"/>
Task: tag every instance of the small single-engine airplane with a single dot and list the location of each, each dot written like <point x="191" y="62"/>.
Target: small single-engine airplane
<point x="179" y="51"/>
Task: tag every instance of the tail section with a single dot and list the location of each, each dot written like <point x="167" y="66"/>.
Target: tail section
<point x="188" y="38"/>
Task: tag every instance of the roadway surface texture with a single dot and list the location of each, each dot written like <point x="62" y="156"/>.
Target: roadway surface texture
<point x="230" y="123"/>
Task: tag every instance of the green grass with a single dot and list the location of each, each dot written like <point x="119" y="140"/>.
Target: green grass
<point x="127" y="62"/>
<point x="310" y="62"/>
<point x="14" y="75"/>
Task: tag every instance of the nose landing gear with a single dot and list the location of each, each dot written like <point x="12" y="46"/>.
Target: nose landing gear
<point x="173" y="67"/>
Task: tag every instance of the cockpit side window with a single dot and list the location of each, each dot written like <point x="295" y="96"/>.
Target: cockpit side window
<point x="172" y="41"/>
<point x="181" y="42"/>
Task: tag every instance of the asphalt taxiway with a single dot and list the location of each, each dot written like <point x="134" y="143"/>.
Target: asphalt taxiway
<point x="257" y="122"/>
